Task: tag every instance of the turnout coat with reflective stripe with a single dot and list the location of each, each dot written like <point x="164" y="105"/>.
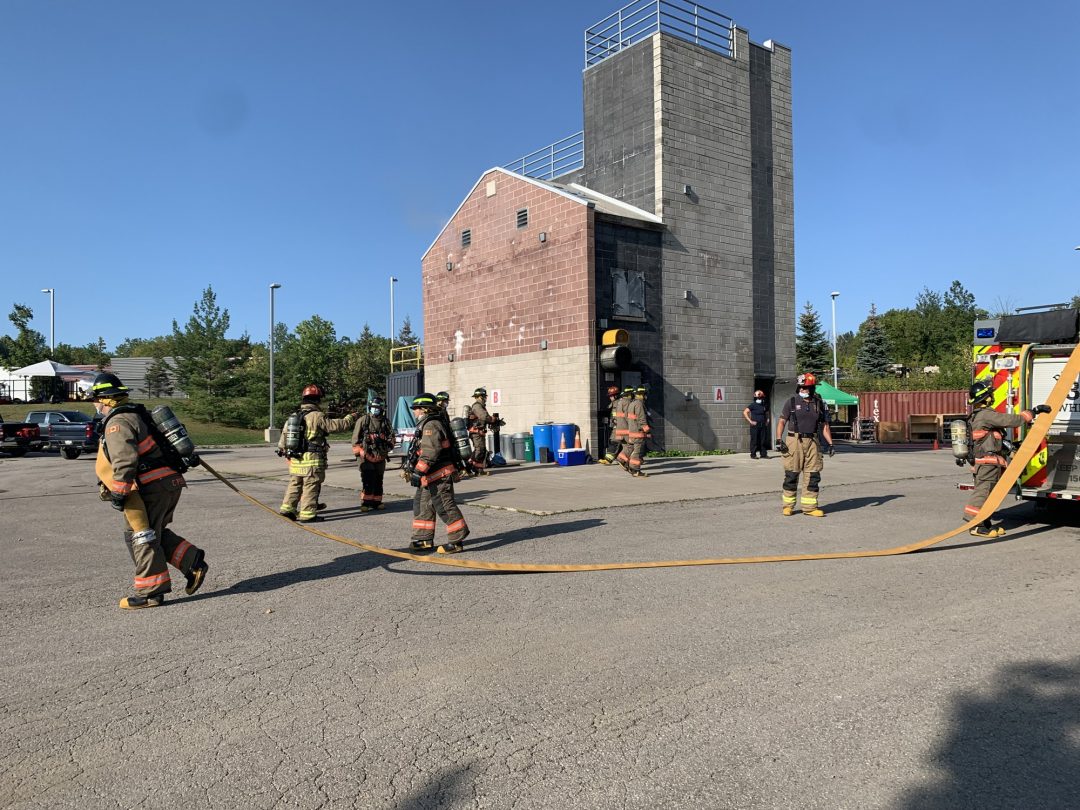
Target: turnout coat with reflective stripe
<point x="988" y="432"/>
<point x="129" y="458"/>
<point x="372" y="438"/>
<point x="435" y="461"/>
<point x="479" y="418"/>
<point x="317" y="425"/>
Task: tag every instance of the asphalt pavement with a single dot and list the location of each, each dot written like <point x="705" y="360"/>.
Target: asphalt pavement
<point x="309" y="674"/>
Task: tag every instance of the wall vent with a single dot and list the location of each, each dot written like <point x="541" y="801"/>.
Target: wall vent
<point x="466" y="237"/>
<point x="523" y="217"/>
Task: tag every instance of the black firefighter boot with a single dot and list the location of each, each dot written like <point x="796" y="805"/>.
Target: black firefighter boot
<point x="197" y="574"/>
<point x="140" y="602"/>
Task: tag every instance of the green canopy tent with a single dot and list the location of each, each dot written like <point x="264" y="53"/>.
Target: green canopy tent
<point x="834" y="396"/>
<point x="843" y="421"/>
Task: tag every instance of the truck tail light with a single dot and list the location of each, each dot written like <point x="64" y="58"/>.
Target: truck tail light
<point x="89" y="430"/>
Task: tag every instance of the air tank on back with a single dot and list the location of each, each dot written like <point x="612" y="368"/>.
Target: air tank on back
<point x="174" y="430"/>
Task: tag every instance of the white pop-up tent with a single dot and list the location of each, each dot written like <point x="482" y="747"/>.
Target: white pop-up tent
<point x="48" y="368"/>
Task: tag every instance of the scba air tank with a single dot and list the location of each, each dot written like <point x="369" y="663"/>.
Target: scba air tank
<point x="294" y="435"/>
<point x="961" y="441"/>
<point x="173" y="430"/>
<point x="461" y="436"/>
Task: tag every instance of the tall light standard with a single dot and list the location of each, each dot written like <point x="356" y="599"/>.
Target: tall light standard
<point x="835" y="371"/>
<point x="272" y="430"/>
<point x="52" y="318"/>
<point x="393" y="281"/>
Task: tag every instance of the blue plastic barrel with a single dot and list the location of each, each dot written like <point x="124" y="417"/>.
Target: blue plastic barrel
<point x="542" y="438"/>
<point x="562" y="436"/>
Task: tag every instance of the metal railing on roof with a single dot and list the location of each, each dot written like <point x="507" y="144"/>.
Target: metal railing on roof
<point x="640" y="20"/>
<point x="552" y="161"/>
<point x="406" y="357"/>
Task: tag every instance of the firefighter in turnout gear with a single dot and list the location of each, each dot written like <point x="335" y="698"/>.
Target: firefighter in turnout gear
<point x="433" y="470"/>
<point x="622" y="429"/>
<point x="141" y="475"/>
<point x="991" y="448"/>
<point x="372" y="441"/>
<point x="307" y="469"/>
<point x="610" y="415"/>
<point x="637" y="431"/>
<point x="479" y="420"/>
<point x="442" y="399"/>
<point x="803" y="416"/>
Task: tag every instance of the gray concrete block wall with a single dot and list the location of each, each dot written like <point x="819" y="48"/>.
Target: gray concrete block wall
<point x="708" y="247"/>
<point x="619" y="136"/>
<point x="666" y="114"/>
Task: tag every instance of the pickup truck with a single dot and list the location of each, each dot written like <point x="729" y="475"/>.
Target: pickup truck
<point x="71" y="432"/>
<point x="18" y="438"/>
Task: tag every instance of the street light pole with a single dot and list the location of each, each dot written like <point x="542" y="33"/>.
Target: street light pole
<point x="270" y="430"/>
<point x="52" y="318"/>
<point x="835" y="370"/>
<point x="392" y="282"/>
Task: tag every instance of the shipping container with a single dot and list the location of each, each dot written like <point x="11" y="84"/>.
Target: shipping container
<point x="931" y="410"/>
<point x="403" y="384"/>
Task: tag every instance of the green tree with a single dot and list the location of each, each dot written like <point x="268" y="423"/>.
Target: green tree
<point x="159" y="378"/>
<point x="813" y="352"/>
<point x="367" y="362"/>
<point x="1075" y="303"/>
<point x="161" y="346"/>
<point x="89" y="355"/>
<point x="873" y="356"/>
<point x="210" y="367"/>
<point x="316" y="356"/>
<point x="406" y="336"/>
<point x="28" y="346"/>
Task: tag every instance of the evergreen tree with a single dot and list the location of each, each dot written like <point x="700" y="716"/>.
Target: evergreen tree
<point x="367" y="362"/>
<point x="406" y="336"/>
<point x="813" y="352"/>
<point x="873" y="357"/>
<point x="159" y="378"/>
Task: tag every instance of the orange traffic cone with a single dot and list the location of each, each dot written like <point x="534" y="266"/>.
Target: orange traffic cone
<point x="562" y="441"/>
<point x="936" y="443"/>
<point x="577" y="439"/>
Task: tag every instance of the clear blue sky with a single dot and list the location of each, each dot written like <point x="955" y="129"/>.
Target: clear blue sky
<point x="149" y="149"/>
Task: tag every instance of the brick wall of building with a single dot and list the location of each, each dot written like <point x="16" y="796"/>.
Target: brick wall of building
<point x="486" y="320"/>
<point x="508" y="291"/>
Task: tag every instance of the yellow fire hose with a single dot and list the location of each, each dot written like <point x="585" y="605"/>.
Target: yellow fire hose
<point x="1020" y="459"/>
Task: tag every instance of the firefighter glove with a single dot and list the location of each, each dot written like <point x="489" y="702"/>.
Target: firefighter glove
<point x="830" y="449"/>
<point x="781" y="447"/>
<point x="117" y="499"/>
<point x="1040" y="409"/>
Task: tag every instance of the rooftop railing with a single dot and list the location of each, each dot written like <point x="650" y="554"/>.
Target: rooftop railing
<point x="640" y="20"/>
<point x="552" y="161"/>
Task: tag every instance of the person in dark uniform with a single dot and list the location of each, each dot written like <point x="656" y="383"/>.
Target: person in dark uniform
<point x="758" y="415"/>
<point x="988" y="431"/>
<point x="803" y="416"/>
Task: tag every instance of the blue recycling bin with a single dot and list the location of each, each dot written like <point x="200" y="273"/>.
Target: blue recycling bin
<point x="542" y="438"/>
<point x="562" y="436"/>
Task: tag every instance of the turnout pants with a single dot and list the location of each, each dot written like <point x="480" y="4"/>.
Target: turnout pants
<point x="759" y="440"/>
<point x="614" y="447"/>
<point x="303" y="490"/>
<point x="986" y="477"/>
<point x="478" y="459"/>
<point x="437" y="498"/>
<point x="637" y="454"/>
<point x="803" y="457"/>
<point x="371" y="483"/>
<point x="152" y="558"/>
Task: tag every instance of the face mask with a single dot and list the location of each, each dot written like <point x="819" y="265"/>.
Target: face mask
<point x="375" y="411"/>
<point x="804" y="394"/>
<point x="759" y="401"/>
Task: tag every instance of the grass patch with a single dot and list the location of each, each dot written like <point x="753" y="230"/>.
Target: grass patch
<point x="202" y="433"/>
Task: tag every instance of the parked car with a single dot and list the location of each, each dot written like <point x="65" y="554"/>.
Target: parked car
<point x="18" y="438"/>
<point x="71" y="432"/>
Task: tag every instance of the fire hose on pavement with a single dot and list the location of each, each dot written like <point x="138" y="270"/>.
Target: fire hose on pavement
<point x="1020" y="459"/>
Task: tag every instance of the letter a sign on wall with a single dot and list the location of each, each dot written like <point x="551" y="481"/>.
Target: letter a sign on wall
<point x="718" y="395"/>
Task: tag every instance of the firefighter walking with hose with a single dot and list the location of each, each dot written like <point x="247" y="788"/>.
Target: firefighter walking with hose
<point x="991" y="449"/>
<point x="140" y="473"/>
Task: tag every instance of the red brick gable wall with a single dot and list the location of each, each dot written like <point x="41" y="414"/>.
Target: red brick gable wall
<point x="508" y="291"/>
